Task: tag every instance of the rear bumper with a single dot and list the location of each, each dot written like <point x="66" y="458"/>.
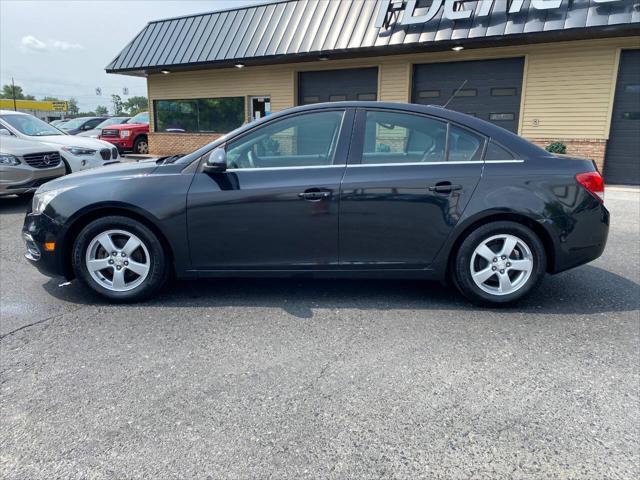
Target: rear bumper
<point x="580" y="238"/>
<point x="36" y="231"/>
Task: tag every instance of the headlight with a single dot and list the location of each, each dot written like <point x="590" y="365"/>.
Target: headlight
<point x="124" y="133"/>
<point x="6" y="159"/>
<point x="42" y="199"/>
<point x="79" y="150"/>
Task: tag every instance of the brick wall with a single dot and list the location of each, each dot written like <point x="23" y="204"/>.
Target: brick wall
<point x="594" y="149"/>
<point x="176" y="143"/>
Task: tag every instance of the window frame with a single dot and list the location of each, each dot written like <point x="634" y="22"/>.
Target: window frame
<point x="359" y="128"/>
<point x="343" y="140"/>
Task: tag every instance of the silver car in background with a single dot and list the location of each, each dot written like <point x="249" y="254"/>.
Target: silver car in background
<point x="25" y="165"/>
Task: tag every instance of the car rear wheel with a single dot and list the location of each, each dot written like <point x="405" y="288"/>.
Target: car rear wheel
<point x="499" y="263"/>
<point x="120" y="258"/>
<point x="141" y="146"/>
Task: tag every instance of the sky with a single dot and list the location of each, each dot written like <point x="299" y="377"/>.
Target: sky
<point x="59" y="48"/>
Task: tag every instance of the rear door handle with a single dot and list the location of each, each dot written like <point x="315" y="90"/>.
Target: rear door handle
<point x="444" y="187"/>
<point x="314" y="195"/>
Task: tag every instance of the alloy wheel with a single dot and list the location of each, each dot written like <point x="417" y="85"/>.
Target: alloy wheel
<point x="501" y="264"/>
<point x="143" y="147"/>
<point x="118" y="260"/>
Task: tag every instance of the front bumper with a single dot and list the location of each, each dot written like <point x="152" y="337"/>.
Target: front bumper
<point x="36" y="231"/>
<point x="121" y="143"/>
<point x="24" y="179"/>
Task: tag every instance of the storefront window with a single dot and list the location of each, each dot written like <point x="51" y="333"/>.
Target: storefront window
<point x="215" y="115"/>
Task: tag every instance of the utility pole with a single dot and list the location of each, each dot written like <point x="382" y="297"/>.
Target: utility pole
<point x="13" y="91"/>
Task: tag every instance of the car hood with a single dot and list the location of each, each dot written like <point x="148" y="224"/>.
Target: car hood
<point x="74" y="141"/>
<point x="125" y="126"/>
<point x="108" y="172"/>
<point x="91" y="133"/>
<point x="18" y="146"/>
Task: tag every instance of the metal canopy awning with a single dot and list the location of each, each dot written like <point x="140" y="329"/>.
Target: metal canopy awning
<point x="297" y="30"/>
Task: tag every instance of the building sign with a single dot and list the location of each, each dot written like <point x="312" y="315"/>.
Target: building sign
<point x="59" y="106"/>
<point x="455" y="9"/>
<point x="34" y="105"/>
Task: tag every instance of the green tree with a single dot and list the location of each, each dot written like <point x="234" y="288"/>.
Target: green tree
<point x="136" y="105"/>
<point x="101" y="110"/>
<point x="72" y="106"/>
<point x="52" y="99"/>
<point x="8" y="91"/>
<point x="117" y="104"/>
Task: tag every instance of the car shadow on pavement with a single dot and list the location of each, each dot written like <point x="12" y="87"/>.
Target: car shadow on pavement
<point x="14" y="204"/>
<point x="585" y="290"/>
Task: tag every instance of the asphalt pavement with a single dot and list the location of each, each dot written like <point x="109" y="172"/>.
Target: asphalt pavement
<point x="323" y="378"/>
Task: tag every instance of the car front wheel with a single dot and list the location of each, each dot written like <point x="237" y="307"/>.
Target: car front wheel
<point x="499" y="263"/>
<point x="120" y="258"/>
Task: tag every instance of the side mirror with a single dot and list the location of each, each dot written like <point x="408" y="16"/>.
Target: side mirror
<point x="5" y="132"/>
<point x="216" y="161"/>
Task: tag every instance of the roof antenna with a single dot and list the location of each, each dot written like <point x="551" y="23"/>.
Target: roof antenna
<point x="454" y="94"/>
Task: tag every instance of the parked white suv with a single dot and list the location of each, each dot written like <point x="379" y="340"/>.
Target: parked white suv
<point x="78" y="153"/>
<point x="25" y="165"/>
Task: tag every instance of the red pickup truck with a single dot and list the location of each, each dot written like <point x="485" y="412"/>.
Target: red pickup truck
<point x="130" y="136"/>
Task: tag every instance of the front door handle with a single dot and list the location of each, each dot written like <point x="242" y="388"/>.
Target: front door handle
<point x="444" y="187"/>
<point x="314" y="195"/>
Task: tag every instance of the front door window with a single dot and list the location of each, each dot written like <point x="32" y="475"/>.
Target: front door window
<point x="307" y="140"/>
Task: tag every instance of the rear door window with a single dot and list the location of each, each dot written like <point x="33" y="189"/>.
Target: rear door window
<point x="464" y="145"/>
<point x="392" y="137"/>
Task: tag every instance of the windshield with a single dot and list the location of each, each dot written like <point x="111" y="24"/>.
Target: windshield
<point x="142" y="117"/>
<point x="75" y="123"/>
<point x="30" y="125"/>
<point x="112" y="121"/>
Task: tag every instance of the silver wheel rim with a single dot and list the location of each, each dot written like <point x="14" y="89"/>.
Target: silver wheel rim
<point x="118" y="260"/>
<point x="143" y="147"/>
<point x="501" y="264"/>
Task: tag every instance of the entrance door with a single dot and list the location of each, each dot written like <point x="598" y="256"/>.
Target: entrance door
<point x="338" y="85"/>
<point x="487" y="89"/>
<point x="622" y="163"/>
<point x="260" y="107"/>
<point x="276" y="206"/>
<point x="402" y="193"/>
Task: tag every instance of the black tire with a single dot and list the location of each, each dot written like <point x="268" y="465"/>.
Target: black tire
<point x="463" y="268"/>
<point x="157" y="257"/>
<point x="141" y="143"/>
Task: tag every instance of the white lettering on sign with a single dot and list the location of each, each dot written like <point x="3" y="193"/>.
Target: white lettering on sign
<point x="453" y="9"/>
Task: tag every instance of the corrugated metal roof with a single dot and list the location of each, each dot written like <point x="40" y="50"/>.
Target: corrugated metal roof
<point x="298" y="28"/>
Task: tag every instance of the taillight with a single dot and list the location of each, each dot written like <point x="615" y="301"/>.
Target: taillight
<point x="593" y="182"/>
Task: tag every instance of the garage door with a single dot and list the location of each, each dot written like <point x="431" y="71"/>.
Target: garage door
<point x="622" y="162"/>
<point x="489" y="89"/>
<point x="338" y="85"/>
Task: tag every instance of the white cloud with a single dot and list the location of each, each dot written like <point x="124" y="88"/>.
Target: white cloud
<point x="29" y="42"/>
<point x="32" y="43"/>
<point x="62" y="45"/>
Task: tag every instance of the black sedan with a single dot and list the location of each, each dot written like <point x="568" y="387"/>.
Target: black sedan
<point x="359" y="189"/>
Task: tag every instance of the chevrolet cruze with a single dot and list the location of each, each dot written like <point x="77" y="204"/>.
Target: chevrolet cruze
<point x="354" y="189"/>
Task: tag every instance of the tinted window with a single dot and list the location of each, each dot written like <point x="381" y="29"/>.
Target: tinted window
<point x="496" y="152"/>
<point x="464" y="146"/>
<point x="216" y="115"/>
<point x="94" y="123"/>
<point x="403" y="138"/>
<point x="299" y="141"/>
